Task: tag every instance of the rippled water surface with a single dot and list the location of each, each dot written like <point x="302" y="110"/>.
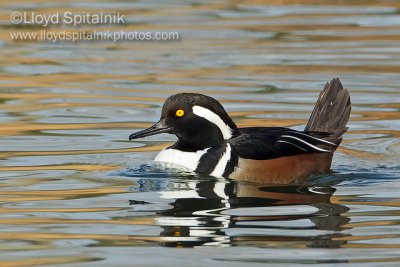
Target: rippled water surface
<point x="75" y="191"/>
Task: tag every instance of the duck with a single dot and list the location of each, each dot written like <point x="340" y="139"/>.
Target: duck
<point x="210" y="143"/>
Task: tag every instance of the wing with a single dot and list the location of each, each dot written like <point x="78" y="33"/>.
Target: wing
<point x="263" y="143"/>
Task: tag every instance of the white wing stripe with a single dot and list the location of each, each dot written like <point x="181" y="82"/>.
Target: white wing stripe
<point x="281" y="141"/>
<point x="321" y="140"/>
<point x="298" y="139"/>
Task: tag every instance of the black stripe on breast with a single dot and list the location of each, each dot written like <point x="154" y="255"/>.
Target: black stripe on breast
<point x="209" y="160"/>
<point x="232" y="163"/>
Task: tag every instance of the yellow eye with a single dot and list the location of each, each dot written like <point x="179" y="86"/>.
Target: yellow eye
<point x="180" y="113"/>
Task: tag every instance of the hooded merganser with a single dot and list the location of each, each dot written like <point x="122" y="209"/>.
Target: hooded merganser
<point x="210" y="143"/>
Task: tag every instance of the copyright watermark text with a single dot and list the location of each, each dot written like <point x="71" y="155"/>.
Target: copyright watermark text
<point x="70" y="27"/>
<point x="107" y="35"/>
<point x="67" y="18"/>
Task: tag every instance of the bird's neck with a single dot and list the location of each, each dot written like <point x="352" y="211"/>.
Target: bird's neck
<point x="192" y="147"/>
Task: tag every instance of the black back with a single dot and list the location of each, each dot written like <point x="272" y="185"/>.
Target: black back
<point x="262" y="143"/>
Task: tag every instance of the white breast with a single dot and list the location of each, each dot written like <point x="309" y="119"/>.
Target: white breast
<point x="189" y="160"/>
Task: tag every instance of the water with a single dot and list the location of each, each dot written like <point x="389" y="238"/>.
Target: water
<point x="75" y="192"/>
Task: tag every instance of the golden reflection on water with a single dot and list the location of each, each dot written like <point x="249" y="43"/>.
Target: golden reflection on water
<point x="24" y="196"/>
<point x="48" y="261"/>
<point x="66" y="111"/>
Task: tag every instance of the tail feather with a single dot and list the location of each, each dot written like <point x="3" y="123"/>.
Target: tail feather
<point x="331" y="112"/>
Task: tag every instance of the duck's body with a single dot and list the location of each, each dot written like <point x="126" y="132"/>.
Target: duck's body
<point x="210" y="143"/>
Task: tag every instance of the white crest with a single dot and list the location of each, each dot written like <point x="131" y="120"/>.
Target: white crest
<point x="214" y="118"/>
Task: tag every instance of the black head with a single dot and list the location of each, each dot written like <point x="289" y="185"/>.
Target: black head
<point x="199" y="121"/>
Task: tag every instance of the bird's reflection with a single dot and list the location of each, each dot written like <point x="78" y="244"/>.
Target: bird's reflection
<point x="233" y="213"/>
